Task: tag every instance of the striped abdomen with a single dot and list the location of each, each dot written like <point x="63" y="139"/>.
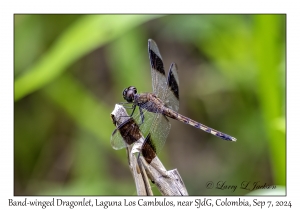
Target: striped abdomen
<point x="172" y="114"/>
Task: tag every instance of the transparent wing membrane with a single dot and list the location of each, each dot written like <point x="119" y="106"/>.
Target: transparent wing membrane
<point x="159" y="82"/>
<point x="117" y="141"/>
<point x="159" y="131"/>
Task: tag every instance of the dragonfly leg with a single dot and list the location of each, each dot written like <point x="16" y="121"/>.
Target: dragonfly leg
<point x="133" y="107"/>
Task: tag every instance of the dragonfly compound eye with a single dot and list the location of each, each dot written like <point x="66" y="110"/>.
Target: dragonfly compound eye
<point x="125" y="92"/>
<point x="133" y="89"/>
<point x="128" y="94"/>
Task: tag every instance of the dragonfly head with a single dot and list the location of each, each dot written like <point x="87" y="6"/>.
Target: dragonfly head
<point x="128" y="93"/>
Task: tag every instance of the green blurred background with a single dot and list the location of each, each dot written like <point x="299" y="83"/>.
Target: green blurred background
<point x="70" y="71"/>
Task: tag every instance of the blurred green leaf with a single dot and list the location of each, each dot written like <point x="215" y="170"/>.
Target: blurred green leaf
<point x="268" y="53"/>
<point x="88" y="33"/>
<point x="84" y="108"/>
<point x="130" y="65"/>
<point x="88" y="112"/>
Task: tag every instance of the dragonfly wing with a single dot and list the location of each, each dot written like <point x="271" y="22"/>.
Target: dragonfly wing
<point x="116" y="140"/>
<point x="126" y="134"/>
<point x="155" y="124"/>
<point x="149" y="117"/>
<point x="132" y="129"/>
<point x="160" y="129"/>
<point x="159" y="81"/>
<point x="171" y="96"/>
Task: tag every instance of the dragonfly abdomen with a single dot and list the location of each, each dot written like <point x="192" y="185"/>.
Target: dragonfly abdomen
<point x="172" y="114"/>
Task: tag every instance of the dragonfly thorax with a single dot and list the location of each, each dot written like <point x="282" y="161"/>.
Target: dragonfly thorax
<point x="128" y="93"/>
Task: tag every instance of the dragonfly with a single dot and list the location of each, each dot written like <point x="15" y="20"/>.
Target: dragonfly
<point x="156" y="107"/>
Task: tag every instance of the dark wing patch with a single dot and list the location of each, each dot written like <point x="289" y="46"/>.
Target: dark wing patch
<point x="155" y="57"/>
<point x="156" y="62"/>
<point x="148" y="149"/>
<point x="171" y="97"/>
<point x="125" y="134"/>
<point x="173" y="80"/>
